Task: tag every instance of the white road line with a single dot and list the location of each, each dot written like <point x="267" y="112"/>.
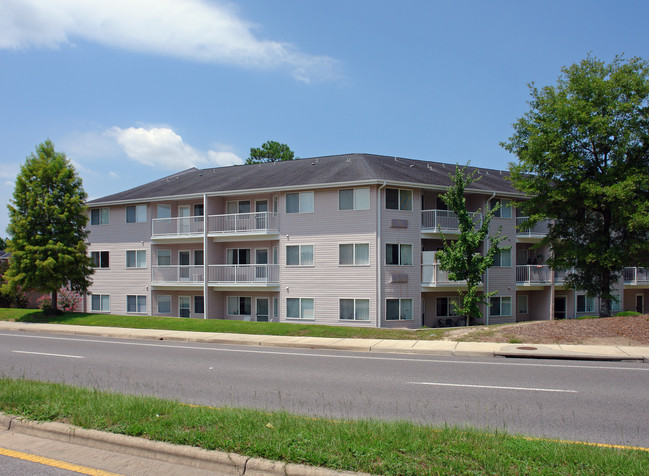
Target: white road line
<point x="172" y="344"/>
<point x="439" y="384"/>
<point x="48" y="355"/>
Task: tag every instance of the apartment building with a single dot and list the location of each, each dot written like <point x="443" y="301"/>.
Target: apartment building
<point x="340" y="240"/>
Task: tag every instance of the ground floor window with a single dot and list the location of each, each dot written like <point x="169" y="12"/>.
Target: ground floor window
<point x="585" y="303"/>
<point x="355" y="309"/>
<point x="164" y="304"/>
<point x="100" y="303"/>
<point x="616" y="303"/>
<point x="136" y="304"/>
<point x="199" y="305"/>
<point x="184" y="306"/>
<point x="522" y="304"/>
<point x="300" y="308"/>
<point x="398" y="309"/>
<point x="500" y="306"/>
<point x="239" y="305"/>
<point x="446" y="306"/>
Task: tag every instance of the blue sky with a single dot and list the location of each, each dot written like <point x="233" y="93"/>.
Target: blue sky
<point x="133" y="90"/>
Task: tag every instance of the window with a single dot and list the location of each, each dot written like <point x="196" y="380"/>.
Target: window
<point x="398" y="199"/>
<point x="299" y="308"/>
<point x="354" y="199"/>
<point x="398" y="309"/>
<point x="299" y="255"/>
<point x="100" y="302"/>
<point x="585" y="303"/>
<point x="446" y="306"/>
<point x="239" y="306"/>
<point x="164" y="211"/>
<point x="500" y="306"/>
<point x="136" y="214"/>
<point x="199" y="305"/>
<point x="242" y="206"/>
<point x="99" y="259"/>
<point x="183" y="306"/>
<point x="136" y="304"/>
<point x="164" y="257"/>
<point x="355" y="309"/>
<point x="505" y="210"/>
<point x="398" y="254"/>
<point x="301" y="202"/>
<point x="521" y="302"/>
<point x="164" y="304"/>
<point x="198" y="258"/>
<point x="503" y="258"/>
<point x="99" y="216"/>
<point x="238" y="256"/>
<point x="615" y="303"/>
<point x="198" y="210"/>
<point x="136" y="259"/>
<point x="356" y="254"/>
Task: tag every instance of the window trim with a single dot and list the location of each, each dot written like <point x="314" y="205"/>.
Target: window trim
<point x="412" y="313"/>
<point x="137" y="303"/>
<point x="100" y="260"/>
<point x="158" y="303"/>
<point x="299" y="202"/>
<point x="355" y="318"/>
<point x="101" y="302"/>
<point x="100" y="216"/>
<point x="194" y="303"/>
<point x="300" y="317"/>
<point x="500" y="298"/>
<point x="227" y="305"/>
<point x="449" y="306"/>
<point x="354" y="254"/>
<point x="137" y="252"/>
<point x="499" y="256"/>
<point x="299" y="247"/>
<point x="354" y="200"/>
<point x="158" y="258"/>
<point x="587" y="300"/>
<point x="399" y="254"/>
<point x="137" y="215"/>
<point x="399" y="204"/>
<point x="505" y="205"/>
<point x="519" y="301"/>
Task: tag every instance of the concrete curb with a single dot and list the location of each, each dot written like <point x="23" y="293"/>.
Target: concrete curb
<point x="217" y="461"/>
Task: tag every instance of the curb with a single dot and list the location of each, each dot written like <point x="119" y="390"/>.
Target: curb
<point x="212" y="460"/>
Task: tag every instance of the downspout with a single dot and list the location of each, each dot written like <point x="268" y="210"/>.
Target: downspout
<point x="379" y="263"/>
<point x="205" y="260"/>
<point x="486" y="284"/>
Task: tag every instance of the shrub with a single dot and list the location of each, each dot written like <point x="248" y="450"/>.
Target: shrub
<point x="45" y="304"/>
<point x="68" y="300"/>
<point x="628" y="313"/>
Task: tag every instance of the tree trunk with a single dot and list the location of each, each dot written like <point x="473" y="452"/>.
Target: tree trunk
<point x="55" y="297"/>
<point x="605" y="308"/>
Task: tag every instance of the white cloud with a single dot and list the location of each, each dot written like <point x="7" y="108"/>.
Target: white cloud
<point x="198" y="30"/>
<point x="162" y="147"/>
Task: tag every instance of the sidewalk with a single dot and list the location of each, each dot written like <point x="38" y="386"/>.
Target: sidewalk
<point x="445" y="348"/>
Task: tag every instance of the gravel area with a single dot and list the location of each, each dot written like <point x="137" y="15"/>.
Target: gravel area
<point x="627" y="330"/>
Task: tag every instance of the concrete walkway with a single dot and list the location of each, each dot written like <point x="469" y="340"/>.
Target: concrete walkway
<point x="447" y="348"/>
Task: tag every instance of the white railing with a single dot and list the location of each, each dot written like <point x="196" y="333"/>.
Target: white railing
<point x="538" y="229"/>
<point x="433" y="275"/>
<point x="178" y="274"/>
<point x="440" y="220"/>
<point x="561" y="274"/>
<point x="243" y="273"/>
<point x="258" y="222"/>
<point x="178" y="226"/>
<point x="533" y="274"/>
<point x="635" y="275"/>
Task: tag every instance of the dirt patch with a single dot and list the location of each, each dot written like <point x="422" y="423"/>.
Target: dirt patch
<point x="627" y="330"/>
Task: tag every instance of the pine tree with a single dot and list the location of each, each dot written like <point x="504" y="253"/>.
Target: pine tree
<point x="47" y="235"/>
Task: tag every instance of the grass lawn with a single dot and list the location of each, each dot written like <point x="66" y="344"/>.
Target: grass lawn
<point x="218" y="325"/>
<point x="389" y="448"/>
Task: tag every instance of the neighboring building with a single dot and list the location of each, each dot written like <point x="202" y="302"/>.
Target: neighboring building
<point x="343" y="240"/>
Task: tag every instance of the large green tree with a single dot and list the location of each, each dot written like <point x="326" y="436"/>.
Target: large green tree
<point x="270" y="151"/>
<point x="464" y="258"/>
<point x="47" y="235"/>
<point x="583" y="158"/>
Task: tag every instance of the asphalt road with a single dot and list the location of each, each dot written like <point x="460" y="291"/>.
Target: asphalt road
<point x="603" y="402"/>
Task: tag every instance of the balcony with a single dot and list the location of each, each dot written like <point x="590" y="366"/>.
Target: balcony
<point x="179" y="229"/>
<point x="248" y="226"/>
<point x="238" y="276"/>
<point x="177" y="277"/>
<point x="634" y="276"/>
<point x="533" y="233"/>
<point x="533" y="275"/>
<point x="433" y="276"/>
<point x="444" y="221"/>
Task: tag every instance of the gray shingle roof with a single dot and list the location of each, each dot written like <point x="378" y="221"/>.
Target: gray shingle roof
<point x="309" y="172"/>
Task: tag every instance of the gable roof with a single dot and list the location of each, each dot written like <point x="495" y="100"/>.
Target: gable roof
<point x="304" y="173"/>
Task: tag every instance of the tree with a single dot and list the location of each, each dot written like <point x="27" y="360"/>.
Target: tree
<point x="270" y="151"/>
<point x="3" y="243"/>
<point x="583" y="158"/>
<point x="47" y="226"/>
<point x="463" y="258"/>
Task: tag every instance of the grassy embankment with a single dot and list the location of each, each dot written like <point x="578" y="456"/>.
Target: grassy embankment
<point x="218" y="325"/>
<point x="390" y="448"/>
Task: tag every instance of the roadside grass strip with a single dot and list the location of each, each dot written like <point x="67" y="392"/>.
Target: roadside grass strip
<point x="218" y="325"/>
<point x="377" y="447"/>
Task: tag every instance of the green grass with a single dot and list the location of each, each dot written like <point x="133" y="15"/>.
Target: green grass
<point x="219" y="325"/>
<point x="390" y="448"/>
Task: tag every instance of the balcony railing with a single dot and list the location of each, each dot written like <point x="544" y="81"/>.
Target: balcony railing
<point x="178" y="274"/>
<point x="243" y="273"/>
<point x="636" y="275"/>
<point x="258" y="222"/>
<point x="539" y="229"/>
<point x="433" y="275"/>
<point x="179" y="226"/>
<point x="533" y="274"/>
<point x="444" y="220"/>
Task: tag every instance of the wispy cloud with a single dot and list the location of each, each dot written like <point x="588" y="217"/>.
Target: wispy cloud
<point x="198" y="30"/>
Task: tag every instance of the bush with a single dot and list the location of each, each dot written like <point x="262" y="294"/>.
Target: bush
<point x="45" y="304"/>
<point x="68" y="300"/>
<point x="628" y="313"/>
